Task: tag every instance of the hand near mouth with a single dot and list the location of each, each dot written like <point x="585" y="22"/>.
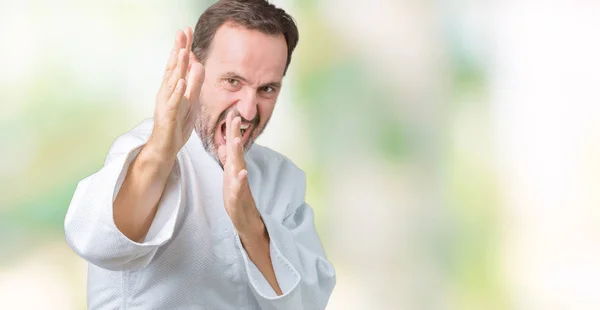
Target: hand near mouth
<point x="237" y="196"/>
<point x="240" y="204"/>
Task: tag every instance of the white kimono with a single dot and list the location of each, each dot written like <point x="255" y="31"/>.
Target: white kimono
<point x="192" y="257"/>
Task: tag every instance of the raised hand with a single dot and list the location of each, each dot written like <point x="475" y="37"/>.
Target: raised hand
<point x="177" y="99"/>
<point x="240" y="204"/>
<point x="136" y="203"/>
<point x="237" y="197"/>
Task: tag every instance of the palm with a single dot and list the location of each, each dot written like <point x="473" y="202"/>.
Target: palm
<point x="174" y="114"/>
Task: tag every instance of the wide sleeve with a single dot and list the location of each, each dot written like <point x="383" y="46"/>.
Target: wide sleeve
<point x="303" y="272"/>
<point x="89" y="226"/>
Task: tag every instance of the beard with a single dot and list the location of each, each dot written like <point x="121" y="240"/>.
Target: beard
<point x="207" y="129"/>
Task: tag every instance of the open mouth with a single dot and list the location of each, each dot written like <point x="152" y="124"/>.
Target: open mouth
<point x="245" y="131"/>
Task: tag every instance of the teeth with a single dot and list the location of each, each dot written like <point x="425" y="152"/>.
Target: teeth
<point x="243" y="128"/>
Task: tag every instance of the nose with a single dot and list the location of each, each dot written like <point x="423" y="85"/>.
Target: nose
<point x="247" y="105"/>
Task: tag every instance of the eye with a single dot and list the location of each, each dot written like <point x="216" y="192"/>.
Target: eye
<point x="233" y="81"/>
<point x="267" y="89"/>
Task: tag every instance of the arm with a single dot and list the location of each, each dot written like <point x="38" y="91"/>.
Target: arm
<point x="121" y="214"/>
<point x="136" y="203"/>
<point x="90" y="228"/>
<point x="240" y="204"/>
<point x="299" y="262"/>
<point x="284" y="258"/>
<point x="256" y="244"/>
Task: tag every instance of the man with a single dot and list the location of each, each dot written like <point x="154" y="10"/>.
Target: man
<point x="187" y="213"/>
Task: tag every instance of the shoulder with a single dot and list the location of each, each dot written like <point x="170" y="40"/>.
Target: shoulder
<point x="141" y="131"/>
<point x="135" y="137"/>
<point x="274" y="166"/>
<point x="274" y="179"/>
<point x="268" y="159"/>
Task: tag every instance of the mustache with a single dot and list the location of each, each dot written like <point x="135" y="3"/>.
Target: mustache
<point x="255" y="121"/>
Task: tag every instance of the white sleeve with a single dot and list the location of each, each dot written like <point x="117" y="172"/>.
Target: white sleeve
<point x="89" y="225"/>
<point x="304" y="274"/>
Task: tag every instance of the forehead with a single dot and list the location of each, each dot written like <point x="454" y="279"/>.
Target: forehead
<point x="254" y="55"/>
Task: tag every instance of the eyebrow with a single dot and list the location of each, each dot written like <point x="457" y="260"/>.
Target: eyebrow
<point x="236" y="76"/>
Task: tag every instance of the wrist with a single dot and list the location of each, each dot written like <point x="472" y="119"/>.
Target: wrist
<point x="253" y="231"/>
<point x="152" y="160"/>
<point x="157" y="152"/>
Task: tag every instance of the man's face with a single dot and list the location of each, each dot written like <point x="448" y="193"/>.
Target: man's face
<point x="243" y="72"/>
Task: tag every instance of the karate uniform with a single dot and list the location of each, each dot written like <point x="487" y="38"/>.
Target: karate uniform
<point x="192" y="257"/>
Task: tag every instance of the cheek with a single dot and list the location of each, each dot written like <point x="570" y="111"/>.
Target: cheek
<point x="266" y="110"/>
<point x="215" y="99"/>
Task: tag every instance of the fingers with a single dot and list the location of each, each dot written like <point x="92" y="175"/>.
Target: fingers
<point x="177" y="95"/>
<point x="178" y="73"/>
<point x="230" y="134"/>
<point x="238" y="152"/>
<point x="232" y="154"/>
<point x="180" y="41"/>
<point x="177" y="64"/>
<point x="235" y="152"/>
<point x="222" y="155"/>
<point x="240" y="176"/>
<point x="228" y="121"/>
<point x="195" y="80"/>
<point x="233" y="126"/>
<point x="189" y="35"/>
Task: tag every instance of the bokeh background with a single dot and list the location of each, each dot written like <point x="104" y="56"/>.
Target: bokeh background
<point x="452" y="148"/>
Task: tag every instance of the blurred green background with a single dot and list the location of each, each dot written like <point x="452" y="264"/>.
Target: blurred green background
<point x="451" y="147"/>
